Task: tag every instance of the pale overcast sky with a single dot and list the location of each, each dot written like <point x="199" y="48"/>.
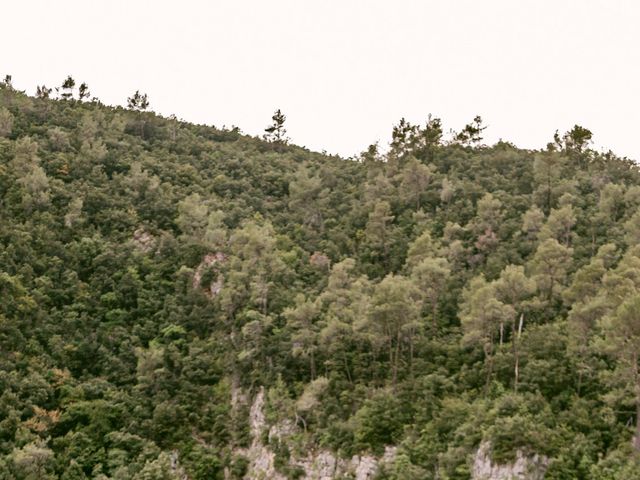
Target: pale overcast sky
<point x="344" y="71"/>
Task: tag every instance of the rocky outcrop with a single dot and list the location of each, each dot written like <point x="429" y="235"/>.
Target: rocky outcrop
<point x="176" y="468"/>
<point x="320" y="260"/>
<point x="323" y="465"/>
<point x="532" y="467"/>
<point x="209" y="261"/>
<point x="143" y="240"/>
<point x="317" y="465"/>
<point x="261" y="459"/>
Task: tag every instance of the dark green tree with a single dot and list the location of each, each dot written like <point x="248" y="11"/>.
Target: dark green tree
<point x="67" y="88"/>
<point x="276" y="132"/>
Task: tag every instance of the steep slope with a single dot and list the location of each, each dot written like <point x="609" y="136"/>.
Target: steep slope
<point x="461" y="307"/>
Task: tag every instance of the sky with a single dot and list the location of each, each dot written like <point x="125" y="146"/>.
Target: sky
<point x="345" y="71"/>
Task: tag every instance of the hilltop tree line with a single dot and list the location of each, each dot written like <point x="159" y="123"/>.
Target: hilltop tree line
<point x="438" y="295"/>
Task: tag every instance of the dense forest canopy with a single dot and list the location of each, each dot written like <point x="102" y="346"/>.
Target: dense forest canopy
<point x="156" y="275"/>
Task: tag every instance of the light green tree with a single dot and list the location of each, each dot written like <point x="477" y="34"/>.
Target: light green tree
<point x="193" y="215"/>
<point x="612" y="202"/>
<point x="302" y="320"/>
<point x="421" y="248"/>
<point x="216" y="234"/>
<point x="393" y="318"/>
<point x="549" y="267"/>
<point x="6" y="122"/>
<point x="378" y="188"/>
<point x="345" y="305"/>
<point x="513" y="288"/>
<point x="632" y="229"/>
<point x="488" y="215"/>
<point x="309" y="402"/>
<point x="532" y="222"/>
<point x="481" y="315"/>
<point x="307" y="199"/>
<point x="431" y="276"/>
<point x="547" y="173"/>
<point x="622" y="334"/>
<point x="447" y="191"/>
<point x="379" y="231"/>
<point x="34" y="461"/>
<point x="26" y="156"/>
<point x="415" y="177"/>
<point x="161" y="468"/>
<point x="74" y="212"/>
<point x="36" y="189"/>
<point x="559" y="225"/>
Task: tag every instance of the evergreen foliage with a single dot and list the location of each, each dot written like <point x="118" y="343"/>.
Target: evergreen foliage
<point x="434" y="297"/>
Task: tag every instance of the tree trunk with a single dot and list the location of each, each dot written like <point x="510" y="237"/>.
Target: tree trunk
<point x="265" y="303"/>
<point x="411" y="352"/>
<point x="396" y="361"/>
<point x="391" y="362"/>
<point x="636" y="437"/>
<point x="301" y="419"/>
<point x="434" y="315"/>
<point x="516" y="354"/>
<point x="488" y="347"/>
<point x="548" y="193"/>
<point x="346" y="367"/>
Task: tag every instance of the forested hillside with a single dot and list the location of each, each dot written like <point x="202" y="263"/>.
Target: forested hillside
<point x="156" y="277"/>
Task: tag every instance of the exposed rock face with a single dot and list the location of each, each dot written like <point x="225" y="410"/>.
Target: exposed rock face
<point x="143" y="240"/>
<point x="320" y="260"/>
<point x="323" y="465"/>
<point x="523" y="468"/>
<point x="261" y="459"/>
<point x="176" y="468"/>
<point x="208" y="261"/>
<point x="317" y="465"/>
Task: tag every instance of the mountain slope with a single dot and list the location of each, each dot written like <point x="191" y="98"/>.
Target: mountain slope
<point x="157" y="276"/>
